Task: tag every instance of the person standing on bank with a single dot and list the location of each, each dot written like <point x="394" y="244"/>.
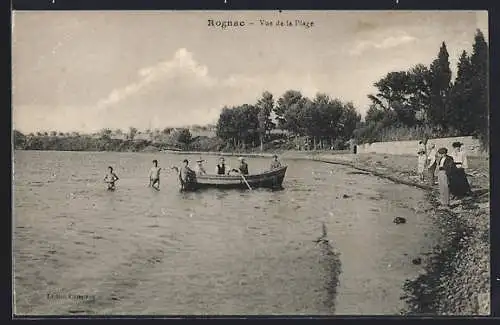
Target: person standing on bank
<point x="431" y="164"/>
<point x="459" y="185"/>
<point x="459" y="156"/>
<point x="422" y="159"/>
<point x="421" y="146"/>
<point x="445" y="167"/>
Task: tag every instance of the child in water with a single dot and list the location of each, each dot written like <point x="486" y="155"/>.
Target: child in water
<point x="110" y="179"/>
<point x="154" y="175"/>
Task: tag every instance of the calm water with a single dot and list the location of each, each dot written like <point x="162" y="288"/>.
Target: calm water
<point x="141" y="251"/>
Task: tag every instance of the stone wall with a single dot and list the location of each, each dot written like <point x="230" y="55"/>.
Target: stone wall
<point x="471" y="146"/>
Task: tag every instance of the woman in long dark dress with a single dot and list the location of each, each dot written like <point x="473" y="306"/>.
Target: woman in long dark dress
<point x="459" y="185"/>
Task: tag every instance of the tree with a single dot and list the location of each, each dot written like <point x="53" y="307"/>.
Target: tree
<point x="289" y="98"/>
<point x="105" y="134"/>
<point x="419" y="90"/>
<point x="265" y="106"/>
<point x="19" y="139"/>
<point x="295" y="118"/>
<point x="393" y="87"/>
<point x="480" y="87"/>
<point x="462" y="115"/>
<point x="183" y="136"/>
<point x="349" y="119"/>
<point x="53" y="133"/>
<point x="405" y="115"/>
<point x="132" y="133"/>
<point x="374" y="114"/>
<point x="226" y="129"/>
<point x="396" y="93"/>
<point x="440" y="86"/>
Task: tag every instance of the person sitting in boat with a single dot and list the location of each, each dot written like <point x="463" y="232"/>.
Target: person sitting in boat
<point x="243" y="168"/>
<point x="200" y="170"/>
<point x="220" y="169"/>
<point x="275" y="163"/>
<point x="186" y="174"/>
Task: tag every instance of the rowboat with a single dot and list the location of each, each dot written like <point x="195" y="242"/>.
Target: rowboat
<point x="268" y="179"/>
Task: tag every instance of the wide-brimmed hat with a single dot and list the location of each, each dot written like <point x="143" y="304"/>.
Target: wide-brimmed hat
<point x="275" y="156"/>
<point x="241" y="158"/>
<point x="456" y="144"/>
<point x="443" y="151"/>
<point x="200" y="160"/>
<point x="185" y="160"/>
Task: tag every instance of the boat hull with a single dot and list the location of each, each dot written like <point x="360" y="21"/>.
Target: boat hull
<point x="271" y="179"/>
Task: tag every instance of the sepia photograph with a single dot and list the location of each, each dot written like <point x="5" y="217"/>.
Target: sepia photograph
<point x="299" y="163"/>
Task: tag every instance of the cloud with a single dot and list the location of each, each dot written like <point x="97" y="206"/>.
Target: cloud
<point x="180" y="91"/>
<point x="182" y="64"/>
<point x="384" y="43"/>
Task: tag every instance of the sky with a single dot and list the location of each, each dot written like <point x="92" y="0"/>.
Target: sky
<point x="87" y="70"/>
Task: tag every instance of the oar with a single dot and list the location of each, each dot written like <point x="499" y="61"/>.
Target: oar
<point x="246" y="182"/>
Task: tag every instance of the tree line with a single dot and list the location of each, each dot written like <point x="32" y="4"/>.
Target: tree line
<point x="426" y="100"/>
<point x="105" y="140"/>
<point x="324" y="120"/>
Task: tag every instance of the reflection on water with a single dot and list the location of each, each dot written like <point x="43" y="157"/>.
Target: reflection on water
<point x="142" y="251"/>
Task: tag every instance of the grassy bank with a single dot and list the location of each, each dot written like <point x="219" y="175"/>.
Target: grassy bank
<point x="456" y="280"/>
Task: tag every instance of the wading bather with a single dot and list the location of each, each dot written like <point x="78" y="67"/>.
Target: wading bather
<point x="186" y="175"/>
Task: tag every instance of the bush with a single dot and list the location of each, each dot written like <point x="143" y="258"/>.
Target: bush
<point x="203" y="143"/>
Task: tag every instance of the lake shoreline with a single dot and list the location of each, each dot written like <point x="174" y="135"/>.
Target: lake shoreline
<point x="456" y="280"/>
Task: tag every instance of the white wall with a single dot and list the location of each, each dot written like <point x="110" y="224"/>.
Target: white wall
<point x="471" y="146"/>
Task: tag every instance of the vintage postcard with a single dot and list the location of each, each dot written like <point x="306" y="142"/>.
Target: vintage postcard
<point x="250" y="163"/>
